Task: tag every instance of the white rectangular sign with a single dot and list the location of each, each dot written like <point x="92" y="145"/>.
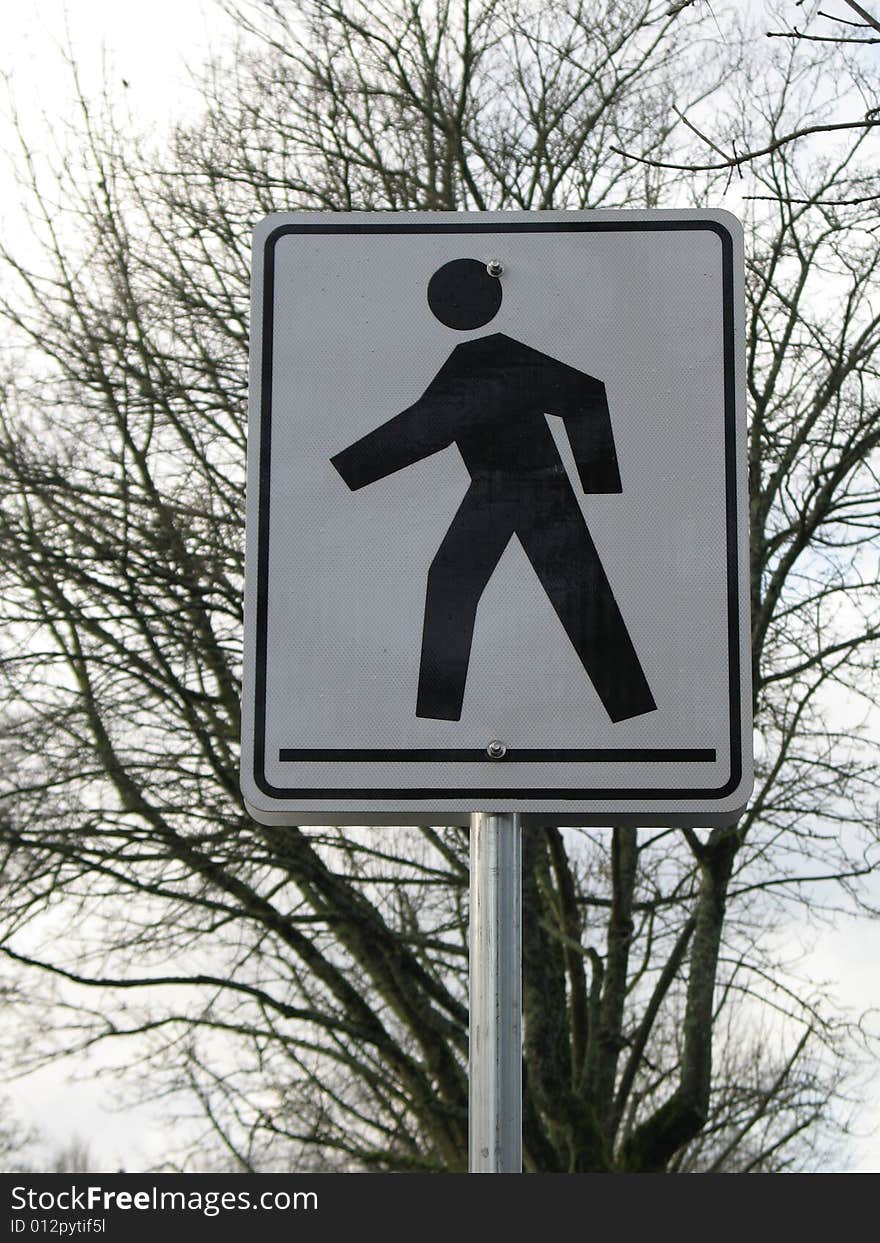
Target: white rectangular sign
<point x="497" y="519"/>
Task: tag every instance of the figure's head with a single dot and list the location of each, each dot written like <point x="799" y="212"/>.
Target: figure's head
<point x="463" y="295"/>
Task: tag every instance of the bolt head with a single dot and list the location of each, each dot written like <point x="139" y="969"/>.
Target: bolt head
<point x="496" y="750"/>
<point x="494" y="268"/>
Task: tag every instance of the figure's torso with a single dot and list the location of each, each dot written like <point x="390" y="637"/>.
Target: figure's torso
<point x="496" y="392"/>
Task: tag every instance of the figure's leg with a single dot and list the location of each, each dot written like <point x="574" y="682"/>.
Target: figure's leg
<point x="471" y="548"/>
<point x="558" y="544"/>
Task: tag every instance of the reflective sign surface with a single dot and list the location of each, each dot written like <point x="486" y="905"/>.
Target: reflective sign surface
<point x="496" y="510"/>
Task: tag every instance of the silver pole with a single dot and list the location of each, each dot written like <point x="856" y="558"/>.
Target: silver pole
<point x="495" y="1120"/>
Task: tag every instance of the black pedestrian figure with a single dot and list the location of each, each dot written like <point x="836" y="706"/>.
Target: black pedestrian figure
<point x="490" y="398"/>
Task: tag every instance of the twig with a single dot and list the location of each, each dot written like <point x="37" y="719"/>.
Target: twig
<point x="735" y="161"/>
<point x="794" y="33"/>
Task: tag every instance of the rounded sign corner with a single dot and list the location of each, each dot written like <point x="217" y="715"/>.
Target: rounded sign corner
<point x="727" y="226"/>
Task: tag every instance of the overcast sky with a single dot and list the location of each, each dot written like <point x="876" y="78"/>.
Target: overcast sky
<point x="148" y="46"/>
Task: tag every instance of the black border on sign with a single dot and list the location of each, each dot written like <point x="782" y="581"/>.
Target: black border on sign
<point x="406" y="794"/>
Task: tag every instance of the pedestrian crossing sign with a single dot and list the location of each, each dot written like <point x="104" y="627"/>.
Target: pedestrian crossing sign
<point x="497" y="519"/>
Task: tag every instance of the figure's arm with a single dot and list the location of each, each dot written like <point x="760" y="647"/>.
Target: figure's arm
<point x="583" y="404"/>
<point x="415" y="433"/>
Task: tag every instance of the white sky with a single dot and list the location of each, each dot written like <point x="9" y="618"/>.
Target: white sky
<point x="149" y="45"/>
<point x="145" y="44"/>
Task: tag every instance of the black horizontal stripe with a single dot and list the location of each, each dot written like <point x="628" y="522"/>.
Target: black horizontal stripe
<point x="522" y="755"/>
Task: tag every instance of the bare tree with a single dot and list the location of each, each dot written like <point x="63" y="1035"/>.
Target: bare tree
<point x="857" y="26"/>
<point x="15" y="1140"/>
<point x="307" y="988"/>
<point x="20" y="1146"/>
<point x="846" y="104"/>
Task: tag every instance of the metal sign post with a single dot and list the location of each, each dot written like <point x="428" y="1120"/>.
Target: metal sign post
<point x="495" y="1116"/>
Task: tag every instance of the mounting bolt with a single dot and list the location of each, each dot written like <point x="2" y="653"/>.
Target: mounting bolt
<point x="496" y="750"/>
<point x="494" y="268"/>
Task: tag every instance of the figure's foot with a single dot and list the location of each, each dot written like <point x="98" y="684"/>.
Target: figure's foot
<point x="435" y="706"/>
<point x="625" y="712"/>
